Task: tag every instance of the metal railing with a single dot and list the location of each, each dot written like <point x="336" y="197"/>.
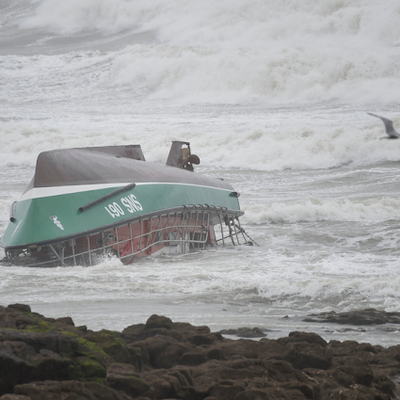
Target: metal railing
<point x="175" y="231"/>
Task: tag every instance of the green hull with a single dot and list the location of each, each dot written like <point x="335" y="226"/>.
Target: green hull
<point x="52" y="218"/>
<point x="90" y="201"/>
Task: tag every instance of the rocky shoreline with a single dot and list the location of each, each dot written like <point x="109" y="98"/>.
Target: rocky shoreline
<point x="52" y="359"/>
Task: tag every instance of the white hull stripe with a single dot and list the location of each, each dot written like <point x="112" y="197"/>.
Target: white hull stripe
<point x="40" y="192"/>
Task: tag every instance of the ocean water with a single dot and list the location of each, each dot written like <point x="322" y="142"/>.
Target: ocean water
<point x="273" y="97"/>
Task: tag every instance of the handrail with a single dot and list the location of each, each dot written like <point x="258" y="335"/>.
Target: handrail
<point x="107" y="196"/>
<point x="12" y="211"/>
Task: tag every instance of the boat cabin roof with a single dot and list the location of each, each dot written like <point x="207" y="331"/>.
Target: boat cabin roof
<point x="114" y="164"/>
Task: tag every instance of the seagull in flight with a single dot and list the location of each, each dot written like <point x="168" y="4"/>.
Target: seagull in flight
<point x="388" y="126"/>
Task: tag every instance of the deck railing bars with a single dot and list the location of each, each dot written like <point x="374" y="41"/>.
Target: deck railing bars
<point x="178" y="230"/>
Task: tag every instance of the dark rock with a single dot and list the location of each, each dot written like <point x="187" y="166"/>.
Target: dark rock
<point x="384" y="384"/>
<point x="156" y="321"/>
<point x="281" y="371"/>
<point x="124" y="377"/>
<point x="214" y="354"/>
<point x="196" y="358"/>
<point x="20" y="307"/>
<point x="368" y="316"/>
<point x="82" y="328"/>
<point x="199" y="340"/>
<point x="30" y="356"/>
<point x="253" y="394"/>
<point x="112" y="344"/>
<point x="308" y="355"/>
<point x="157" y="325"/>
<point x="226" y="390"/>
<point x="161" y="351"/>
<point x="55" y="390"/>
<point x="244" y="332"/>
<point x="305" y="337"/>
<point x="170" y="383"/>
<point x="47" y="359"/>
<point x="19" y="316"/>
<point x="66" y="320"/>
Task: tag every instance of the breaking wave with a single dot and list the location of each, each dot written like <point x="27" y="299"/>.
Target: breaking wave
<point x="223" y="51"/>
<point x="317" y="209"/>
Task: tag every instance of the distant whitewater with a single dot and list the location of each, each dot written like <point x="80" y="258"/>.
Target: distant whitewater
<point x="263" y="76"/>
<point x="215" y="52"/>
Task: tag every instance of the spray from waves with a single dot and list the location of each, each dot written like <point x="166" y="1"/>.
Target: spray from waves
<point x="236" y="22"/>
<point x="267" y="142"/>
<point x="297" y="145"/>
<point x="40" y="79"/>
<point x="242" y="51"/>
<point x="68" y="18"/>
<point x="187" y="74"/>
<point x="285" y="74"/>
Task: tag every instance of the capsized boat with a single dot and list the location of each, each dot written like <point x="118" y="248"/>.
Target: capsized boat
<point x="87" y="203"/>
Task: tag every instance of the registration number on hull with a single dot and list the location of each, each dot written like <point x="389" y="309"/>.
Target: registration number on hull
<point x="128" y="203"/>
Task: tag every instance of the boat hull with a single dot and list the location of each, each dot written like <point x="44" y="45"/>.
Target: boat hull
<point x="54" y="227"/>
<point x="94" y="202"/>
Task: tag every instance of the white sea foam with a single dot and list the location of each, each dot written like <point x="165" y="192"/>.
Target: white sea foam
<point x="242" y="52"/>
<point x="76" y="15"/>
<point x="317" y="209"/>
<point x="267" y="144"/>
<point x="238" y="21"/>
<point x="273" y="76"/>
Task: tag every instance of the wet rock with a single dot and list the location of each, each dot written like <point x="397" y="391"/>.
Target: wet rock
<point x="156" y="321"/>
<point x="124" y="377"/>
<point x="163" y="326"/>
<point x="193" y="358"/>
<point x="55" y="390"/>
<point x="66" y="320"/>
<point x="305" y="337"/>
<point x="112" y="344"/>
<point x="19" y="316"/>
<point x="199" y="340"/>
<point x="308" y="355"/>
<point x="226" y="390"/>
<point x="46" y="358"/>
<point x="174" y="383"/>
<point x="161" y="351"/>
<point x="20" y="307"/>
<point x="368" y="316"/>
<point x="249" y="333"/>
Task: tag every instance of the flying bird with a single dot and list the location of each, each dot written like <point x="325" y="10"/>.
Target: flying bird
<point x="388" y="126"/>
